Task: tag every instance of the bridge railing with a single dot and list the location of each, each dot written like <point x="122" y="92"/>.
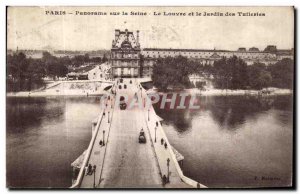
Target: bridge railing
<point x="88" y="153"/>
<point x="184" y="178"/>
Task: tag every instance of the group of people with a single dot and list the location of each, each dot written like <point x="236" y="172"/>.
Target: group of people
<point x="164" y="143"/>
<point x="165" y="179"/>
<point x="89" y="169"/>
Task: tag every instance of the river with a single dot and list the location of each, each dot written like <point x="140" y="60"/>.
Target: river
<point x="231" y="141"/>
<point x="234" y="141"/>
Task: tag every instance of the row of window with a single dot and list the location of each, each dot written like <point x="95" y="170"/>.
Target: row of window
<point x="124" y="63"/>
<point x="245" y="57"/>
<point x="157" y="53"/>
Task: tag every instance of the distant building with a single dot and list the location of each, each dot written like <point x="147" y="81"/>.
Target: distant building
<point x="125" y="54"/>
<point x="271" y="49"/>
<point x="242" y="49"/>
<point x="253" y="49"/>
<point x="128" y="59"/>
<point x="208" y="57"/>
<point x="72" y="76"/>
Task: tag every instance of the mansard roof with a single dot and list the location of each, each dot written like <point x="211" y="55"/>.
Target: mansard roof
<point x="125" y="40"/>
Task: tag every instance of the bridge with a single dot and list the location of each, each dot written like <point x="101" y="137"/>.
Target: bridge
<point x="117" y="158"/>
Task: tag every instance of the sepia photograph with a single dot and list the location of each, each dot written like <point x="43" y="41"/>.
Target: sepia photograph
<point x="150" y="97"/>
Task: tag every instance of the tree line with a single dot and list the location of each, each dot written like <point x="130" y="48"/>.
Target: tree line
<point x="226" y="73"/>
<point x="25" y="73"/>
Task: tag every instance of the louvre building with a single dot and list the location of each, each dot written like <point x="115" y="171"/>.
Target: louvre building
<point x="128" y="59"/>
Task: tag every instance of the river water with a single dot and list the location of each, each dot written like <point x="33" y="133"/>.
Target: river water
<point x="231" y="141"/>
<point x="44" y="136"/>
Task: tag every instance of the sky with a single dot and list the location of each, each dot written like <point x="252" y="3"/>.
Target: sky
<point x="32" y="28"/>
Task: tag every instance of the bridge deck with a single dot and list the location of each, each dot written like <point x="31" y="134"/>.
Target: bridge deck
<point x="129" y="163"/>
<point x="123" y="162"/>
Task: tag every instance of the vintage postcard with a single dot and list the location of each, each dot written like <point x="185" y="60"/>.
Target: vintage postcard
<point x="150" y="97"/>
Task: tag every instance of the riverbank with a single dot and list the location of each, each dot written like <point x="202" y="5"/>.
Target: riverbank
<point x="67" y="88"/>
<point x="55" y="93"/>
<point x="219" y="92"/>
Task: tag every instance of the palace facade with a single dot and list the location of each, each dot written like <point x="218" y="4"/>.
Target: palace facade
<point x="125" y="54"/>
<point x="129" y="60"/>
<point x="208" y="57"/>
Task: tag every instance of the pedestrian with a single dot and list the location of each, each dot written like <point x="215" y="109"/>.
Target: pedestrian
<point x="86" y="170"/>
<point x="166" y="145"/>
<point x="162" y="141"/>
<point x="90" y="169"/>
<point x="164" y="179"/>
<point x="94" y="169"/>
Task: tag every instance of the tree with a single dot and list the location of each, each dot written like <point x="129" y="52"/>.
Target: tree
<point x="200" y="85"/>
<point x="35" y="72"/>
<point x="259" y="77"/>
<point x="57" y="67"/>
<point x="96" y="59"/>
<point x="23" y="72"/>
<point x="222" y="73"/>
<point x="282" y="73"/>
<point x="17" y="66"/>
<point x="104" y="59"/>
<point x="230" y="73"/>
<point x="86" y="58"/>
<point x="66" y="61"/>
<point x="239" y="73"/>
<point x="171" y="72"/>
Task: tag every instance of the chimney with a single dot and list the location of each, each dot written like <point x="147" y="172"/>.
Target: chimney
<point x="117" y="33"/>
<point x="137" y="37"/>
<point x="126" y="34"/>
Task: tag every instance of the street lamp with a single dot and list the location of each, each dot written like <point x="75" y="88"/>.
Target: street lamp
<point x="103" y="137"/>
<point x="108" y="117"/>
<point x="155" y="135"/>
<point x="168" y="164"/>
<point x="94" y="170"/>
<point x="148" y="114"/>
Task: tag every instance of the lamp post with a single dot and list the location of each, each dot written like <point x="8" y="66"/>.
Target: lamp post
<point x="148" y="114"/>
<point x="94" y="170"/>
<point x="108" y="117"/>
<point x="168" y="164"/>
<point x="103" y="137"/>
<point x="155" y="134"/>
